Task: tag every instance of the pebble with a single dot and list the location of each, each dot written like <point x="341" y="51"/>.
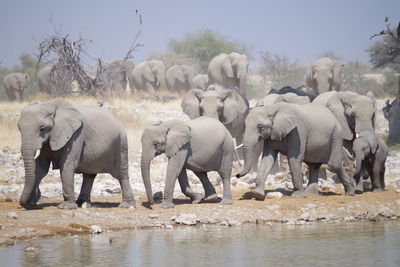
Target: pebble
<point x="153" y="216"/>
<point x="95" y="229"/>
<point x="6" y="242"/>
<point x="12" y="215"/>
<point x="349" y="218"/>
<point x="30" y="249"/>
<point x="186" y="219"/>
<point x="274" y="195"/>
<point x="168" y="226"/>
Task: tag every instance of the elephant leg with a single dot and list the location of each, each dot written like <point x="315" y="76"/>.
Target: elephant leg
<point x="86" y="188"/>
<point x="67" y="180"/>
<point x="312" y="187"/>
<point x="267" y="162"/>
<point x="11" y="94"/>
<point x="185" y="187"/>
<point x="375" y="179"/>
<point x="359" y="179"/>
<point x="344" y="178"/>
<point x="382" y="176"/>
<point x="225" y="172"/>
<point x="21" y="94"/>
<point x="297" y="178"/>
<point x="42" y="165"/>
<point x="209" y="190"/>
<point x="127" y="195"/>
<point x="174" y="168"/>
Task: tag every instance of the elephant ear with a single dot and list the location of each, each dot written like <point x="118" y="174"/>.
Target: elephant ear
<point x="67" y="120"/>
<point x="148" y="73"/>
<point x="177" y="135"/>
<point x="309" y="79"/>
<point x="227" y="68"/>
<point x="336" y="105"/>
<point x="337" y="75"/>
<point x="235" y="107"/>
<point x="283" y="122"/>
<point x="190" y="103"/>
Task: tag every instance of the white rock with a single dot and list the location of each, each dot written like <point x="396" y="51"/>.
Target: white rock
<point x="95" y="229"/>
<point x="234" y="223"/>
<point x="274" y="195"/>
<point x="153" y="216"/>
<point x="186" y="219"/>
<point x="349" y="218"/>
<point x="12" y="215"/>
<point x="168" y="226"/>
<point x="30" y="249"/>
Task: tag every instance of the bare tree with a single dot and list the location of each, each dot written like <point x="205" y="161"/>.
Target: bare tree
<point x="65" y="56"/>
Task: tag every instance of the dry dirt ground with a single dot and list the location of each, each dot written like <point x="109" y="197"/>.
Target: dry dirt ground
<point x="136" y="113"/>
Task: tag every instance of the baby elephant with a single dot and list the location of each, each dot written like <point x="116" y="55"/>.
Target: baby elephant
<point x="200" y="145"/>
<point x="371" y="153"/>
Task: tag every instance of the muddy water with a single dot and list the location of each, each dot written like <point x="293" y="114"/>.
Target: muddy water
<point x="352" y="244"/>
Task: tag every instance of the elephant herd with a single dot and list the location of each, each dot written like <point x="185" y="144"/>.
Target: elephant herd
<point x="333" y="128"/>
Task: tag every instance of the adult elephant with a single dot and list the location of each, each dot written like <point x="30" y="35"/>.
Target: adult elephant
<point x="45" y="81"/>
<point x="300" y="91"/>
<point x="355" y="113"/>
<point x="200" y="81"/>
<point x="229" y="70"/>
<point x="290" y="129"/>
<point x="274" y="98"/>
<point x="15" y="84"/>
<point x="325" y="75"/>
<point x="84" y="139"/>
<point x="226" y="105"/>
<point x="200" y="145"/>
<point x="180" y="78"/>
<point x="148" y="76"/>
<point x="115" y="74"/>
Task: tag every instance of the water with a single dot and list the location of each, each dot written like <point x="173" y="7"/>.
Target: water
<point x="352" y="244"/>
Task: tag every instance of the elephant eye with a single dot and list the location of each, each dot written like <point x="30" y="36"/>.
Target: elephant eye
<point x="43" y="129"/>
<point x="260" y="127"/>
<point x="156" y="143"/>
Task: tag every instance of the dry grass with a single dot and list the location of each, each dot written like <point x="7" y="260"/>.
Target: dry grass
<point x="122" y="106"/>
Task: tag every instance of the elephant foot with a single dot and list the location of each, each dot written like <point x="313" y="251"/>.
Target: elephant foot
<point x="80" y="202"/>
<point x="68" y="205"/>
<point x="167" y="205"/>
<point x="127" y="204"/>
<point x="299" y="193"/>
<point x="378" y="189"/>
<point x="227" y="201"/>
<point x="359" y="191"/>
<point x="312" y="190"/>
<point x="196" y="198"/>
<point x="350" y="191"/>
<point x="258" y="194"/>
<point x="211" y="198"/>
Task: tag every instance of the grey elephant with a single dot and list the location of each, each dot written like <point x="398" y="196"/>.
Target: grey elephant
<point x="15" y="84"/>
<point x="45" y="81"/>
<point x="355" y="113"/>
<point x="287" y="98"/>
<point x="148" y="76"/>
<point x="200" y="145"/>
<point x="371" y="153"/>
<point x="290" y="129"/>
<point x="115" y="73"/>
<point x="325" y="75"/>
<point x="300" y="91"/>
<point x="180" y="78"/>
<point x="229" y="70"/>
<point x="200" y="81"/>
<point x="221" y="103"/>
<point x="84" y="139"/>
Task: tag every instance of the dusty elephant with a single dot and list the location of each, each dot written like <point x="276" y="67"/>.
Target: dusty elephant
<point x="115" y="74"/>
<point x="200" y="145"/>
<point x="371" y="153"/>
<point x="229" y="70"/>
<point x="200" y="81"/>
<point x="180" y="78"/>
<point x="325" y="75"/>
<point x="148" y="76"/>
<point x="84" y="139"/>
<point x="15" y="84"/>
<point x="290" y="129"/>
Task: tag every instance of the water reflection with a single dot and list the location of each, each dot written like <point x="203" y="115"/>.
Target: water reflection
<point x="355" y="244"/>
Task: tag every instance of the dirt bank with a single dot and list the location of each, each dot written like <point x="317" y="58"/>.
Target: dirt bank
<point x="17" y="223"/>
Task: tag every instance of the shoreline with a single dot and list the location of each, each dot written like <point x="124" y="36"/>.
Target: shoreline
<point x="19" y="224"/>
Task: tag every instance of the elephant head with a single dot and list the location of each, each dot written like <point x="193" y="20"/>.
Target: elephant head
<point x="237" y="67"/>
<point x="355" y="113"/>
<point x="325" y="75"/>
<point x="167" y="137"/>
<point x="157" y="68"/>
<point x="53" y="122"/>
<point x="225" y="105"/>
<point x="365" y="145"/>
<point x="269" y="122"/>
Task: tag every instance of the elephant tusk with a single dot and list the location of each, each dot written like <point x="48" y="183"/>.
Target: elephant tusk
<point x="357" y="135"/>
<point x="37" y="154"/>
<point x="239" y="146"/>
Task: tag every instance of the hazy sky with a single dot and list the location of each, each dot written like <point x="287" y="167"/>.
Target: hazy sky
<point x="301" y="29"/>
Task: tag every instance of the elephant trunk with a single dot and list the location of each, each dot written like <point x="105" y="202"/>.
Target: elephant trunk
<point x="323" y="85"/>
<point x="242" y="75"/>
<point x="30" y="178"/>
<point x="249" y="143"/>
<point x="145" y="170"/>
<point x="359" y="168"/>
<point x="364" y="124"/>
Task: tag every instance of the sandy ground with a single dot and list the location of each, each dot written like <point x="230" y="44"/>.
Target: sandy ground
<point x="136" y="114"/>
